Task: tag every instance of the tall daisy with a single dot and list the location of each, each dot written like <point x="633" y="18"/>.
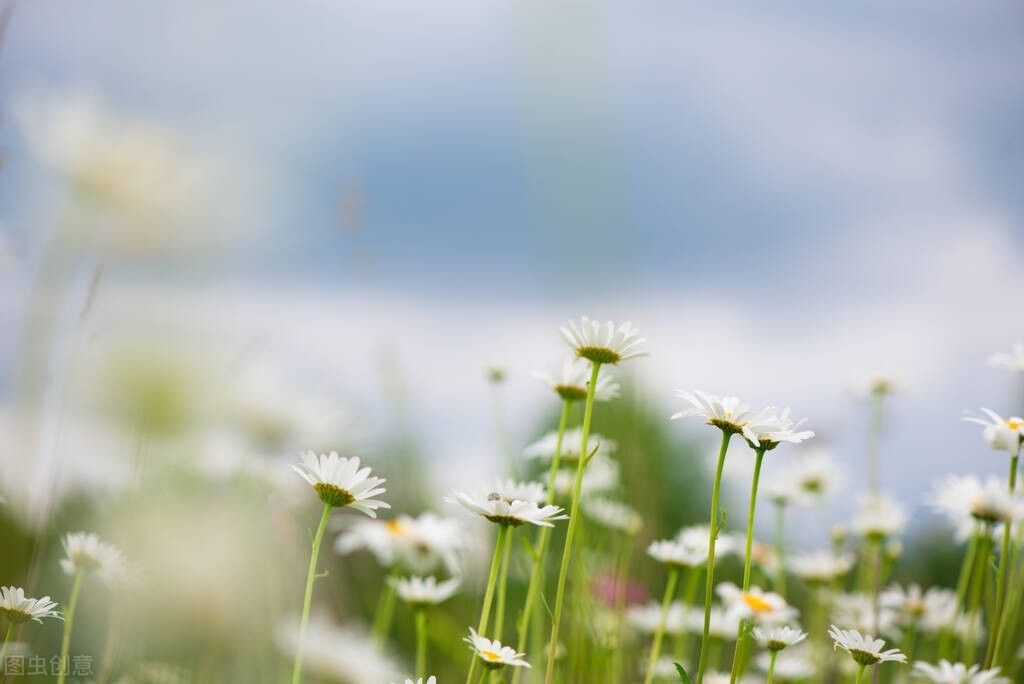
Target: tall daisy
<point x="570" y="381"/>
<point x="18" y="608"/>
<point x="492" y="654"/>
<point x="339" y="482"/>
<point x="601" y="345"/>
<point x="865" y="650"/>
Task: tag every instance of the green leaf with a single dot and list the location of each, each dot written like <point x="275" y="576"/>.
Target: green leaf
<point x="683" y="677"/>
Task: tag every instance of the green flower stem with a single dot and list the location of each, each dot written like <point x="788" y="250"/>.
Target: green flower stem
<point x="492" y="581"/>
<point x="563" y="572"/>
<point x="670" y="588"/>
<point x="385" y="611"/>
<point x="710" y="580"/>
<point x="999" y="621"/>
<point x="544" y="537"/>
<point x="7" y="639"/>
<point x="310" y="578"/>
<point x="978" y="576"/>
<point x="420" y="613"/>
<point x="771" y="666"/>
<point x="69" y="618"/>
<point x="780" y="548"/>
<point x="945" y="641"/>
<point x="499" y="612"/>
<point x="759" y="459"/>
<point x="860" y="673"/>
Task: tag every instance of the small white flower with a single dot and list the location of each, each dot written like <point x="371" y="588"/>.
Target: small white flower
<point x="420" y="544"/>
<point x="878" y="516"/>
<point x="1013" y="362"/>
<point x="771" y="431"/>
<point x="502" y="512"/>
<point x="726" y="413"/>
<point x="865" y="650"/>
<point x="820" y="567"/>
<point x="493" y="653"/>
<point x="1004" y="434"/>
<point x="424" y="591"/>
<point x="857" y="610"/>
<point x="17" y="608"/>
<point x="778" y="638"/>
<point x="911" y="605"/>
<point x="674" y="552"/>
<point x="600" y="475"/>
<point x="696" y="536"/>
<point x="965" y="500"/>
<point x="429" y="680"/>
<point x="544" y="448"/>
<point x="958" y="673"/>
<point x="86" y="553"/>
<point x="873" y="386"/>
<point x="570" y="383"/>
<point x="789" y="666"/>
<point x="603" y="343"/>
<point x="340" y="482"/>
<point x="337" y="652"/>
<point x="613" y="514"/>
<point x="764" y="608"/>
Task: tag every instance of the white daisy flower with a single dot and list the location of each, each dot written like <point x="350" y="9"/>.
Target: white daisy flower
<point x="612" y="514"/>
<point x="807" y="478"/>
<point x="957" y="673"/>
<point x="429" y="680"/>
<point x="724" y="623"/>
<point x="865" y="650"/>
<point x="492" y="653"/>
<point x="1004" y="434"/>
<point x="764" y="608"/>
<point x="965" y="499"/>
<point x="570" y="383"/>
<point x="778" y="428"/>
<point x="726" y="413"/>
<point x="424" y="591"/>
<point x="873" y="385"/>
<point x="511" y="490"/>
<point x="17" y="608"/>
<point x="911" y="605"/>
<point x="86" y="553"/>
<point x="1013" y="362"/>
<point x="857" y="610"/>
<point x="544" y="448"/>
<point x="420" y="545"/>
<point x="337" y="653"/>
<point x="646" y="617"/>
<point x="674" y="552"/>
<point x="778" y="638"/>
<point x="502" y="512"/>
<point x="819" y="567"/>
<point x="789" y="666"/>
<point x="695" y="536"/>
<point x="603" y="343"/>
<point x="878" y="516"/>
<point x="340" y="482"/>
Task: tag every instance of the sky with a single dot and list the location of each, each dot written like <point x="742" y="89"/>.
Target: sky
<point x="782" y="197"/>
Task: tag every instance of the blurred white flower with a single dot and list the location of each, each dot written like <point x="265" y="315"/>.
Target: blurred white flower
<point x="857" y="610"/>
<point x="646" y="617"/>
<point x="764" y="608"/>
<point x="789" y="666"/>
<point x="424" y="591"/>
<point x="86" y="553"/>
<point x="695" y="536"/>
<point x="419" y="544"/>
<point x="778" y="638"/>
<point x="340" y="482"/>
<point x="911" y="605"/>
<point x="570" y="382"/>
<point x="612" y="514"/>
<point x="603" y="343"/>
<point x="964" y="500"/>
<point x="808" y="477"/>
<point x="601" y="475"/>
<point x="18" y="608"/>
<point x="514" y="513"/>
<point x="865" y="650"/>
<point x="674" y="552"/>
<point x="957" y="673"/>
<point x="1003" y="434"/>
<point x="544" y="448"/>
<point x="819" y="567"/>
<point x="873" y="385"/>
<point x="337" y="652"/>
<point x="1012" y="361"/>
<point x="492" y="653"/>
<point x="878" y="516"/>
<point x="429" y="680"/>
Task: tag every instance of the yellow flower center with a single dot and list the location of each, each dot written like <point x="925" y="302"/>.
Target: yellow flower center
<point x="490" y="656"/>
<point x="397" y="528"/>
<point x="1014" y="423"/>
<point x="757" y="603"/>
